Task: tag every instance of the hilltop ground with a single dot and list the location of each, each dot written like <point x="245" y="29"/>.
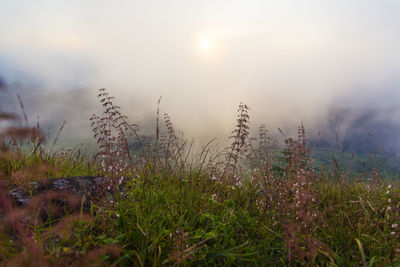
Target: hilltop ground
<point x="256" y="203"/>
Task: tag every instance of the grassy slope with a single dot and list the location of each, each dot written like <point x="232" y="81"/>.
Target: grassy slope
<point x="191" y="218"/>
<point x="279" y="212"/>
<point x="355" y="163"/>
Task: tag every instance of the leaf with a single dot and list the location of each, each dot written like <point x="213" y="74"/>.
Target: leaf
<point x="213" y="234"/>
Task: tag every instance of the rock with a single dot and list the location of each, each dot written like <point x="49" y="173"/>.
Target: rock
<point x="80" y="186"/>
<point x="21" y="196"/>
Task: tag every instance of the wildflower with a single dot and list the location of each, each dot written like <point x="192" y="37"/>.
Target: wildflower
<point x="395" y="225"/>
<point x="390" y="200"/>
<point x="393" y="233"/>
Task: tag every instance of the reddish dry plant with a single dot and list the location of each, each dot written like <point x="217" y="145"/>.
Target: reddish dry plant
<point x="63" y="209"/>
<point x="15" y="139"/>
<point x="110" y="131"/>
<point x="296" y="153"/>
<point x="93" y="257"/>
<point x="19" y="223"/>
<point x="265" y="143"/>
<point x="301" y="202"/>
<point x="16" y="135"/>
<point x="169" y="142"/>
<point x="294" y="201"/>
<point x="8" y="116"/>
<point x="393" y="214"/>
<point x="182" y="252"/>
<point x="172" y="147"/>
<point x="260" y="158"/>
<point x="37" y="172"/>
<point x="240" y="142"/>
<point x="65" y="227"/>
<point x="3" y="84"/>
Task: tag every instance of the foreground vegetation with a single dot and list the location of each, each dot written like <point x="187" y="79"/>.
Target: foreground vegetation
<point x="253" y="204"/>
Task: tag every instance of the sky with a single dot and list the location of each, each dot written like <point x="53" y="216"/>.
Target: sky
<point x="290" y="61"/>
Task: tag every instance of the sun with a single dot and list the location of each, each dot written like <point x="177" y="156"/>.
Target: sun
<point x="206" y="43"/>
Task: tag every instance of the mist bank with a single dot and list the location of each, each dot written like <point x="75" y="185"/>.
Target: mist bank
<point x="291" y="62"/>
<point x="353" y="129"/>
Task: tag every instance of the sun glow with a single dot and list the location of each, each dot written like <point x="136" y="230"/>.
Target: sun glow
<point x="206" y="43"/>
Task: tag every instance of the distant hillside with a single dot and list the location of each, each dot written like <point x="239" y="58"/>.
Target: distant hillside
<point x="360" y="130"/>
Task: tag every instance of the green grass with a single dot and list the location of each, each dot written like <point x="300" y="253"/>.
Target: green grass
<point x="192" y="219"/>
<point x="355" y="163"/>
<point x="252" y="206"/>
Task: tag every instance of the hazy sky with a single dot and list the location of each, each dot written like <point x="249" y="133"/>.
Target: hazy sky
<point x="289" y="60"/>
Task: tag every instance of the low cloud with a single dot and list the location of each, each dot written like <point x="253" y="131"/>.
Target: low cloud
<point x="290" y="63"/>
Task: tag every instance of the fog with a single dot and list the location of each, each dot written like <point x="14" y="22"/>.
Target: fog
<point x="290" y="61"/>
